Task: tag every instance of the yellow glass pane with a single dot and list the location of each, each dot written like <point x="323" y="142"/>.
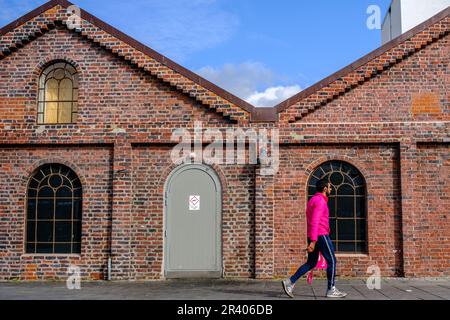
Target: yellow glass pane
<point x="66" y="84"/>
<point x="51" y="90"/>
<point x="65" y="112"/>
<point x="51" y="112"/>
<point x="65" y="90"/>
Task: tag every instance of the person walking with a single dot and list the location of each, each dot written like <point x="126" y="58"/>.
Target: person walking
<point x="318" y="232"/>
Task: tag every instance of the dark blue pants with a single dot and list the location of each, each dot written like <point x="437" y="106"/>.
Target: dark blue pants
<point x="324" y="246"/>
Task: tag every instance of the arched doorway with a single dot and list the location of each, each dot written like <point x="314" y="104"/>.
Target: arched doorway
<point x="193" y="217"/>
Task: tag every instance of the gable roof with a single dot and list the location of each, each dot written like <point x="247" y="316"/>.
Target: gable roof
<point x="164" y="68"/>
<point x="368" y="66"/>
<point x="45" y="17"/>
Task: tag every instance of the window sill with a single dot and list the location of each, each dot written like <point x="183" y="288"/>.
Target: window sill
<point x="51" y="255"/>
<point x="352" y="255"/>
<point x="57" y="124"/>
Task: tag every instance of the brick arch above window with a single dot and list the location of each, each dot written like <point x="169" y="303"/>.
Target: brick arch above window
<point x="48" y="160"/>
<point x="48" y="60"/>
<point x="361" y="166"/>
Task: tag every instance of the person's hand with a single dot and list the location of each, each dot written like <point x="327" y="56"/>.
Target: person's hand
<point x="311" y="247"/>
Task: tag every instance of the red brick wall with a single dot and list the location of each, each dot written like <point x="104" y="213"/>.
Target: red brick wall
<point x="93" y="166"/>
<point x="404" y="105"/>
<point x="432" y="223"/>
<point x="379" y="165"/>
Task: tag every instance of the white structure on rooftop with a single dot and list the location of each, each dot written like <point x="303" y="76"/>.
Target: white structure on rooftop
<point x="403" y="15"/>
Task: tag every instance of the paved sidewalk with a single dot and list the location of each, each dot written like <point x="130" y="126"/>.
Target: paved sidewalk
<point x="391" y="289"/>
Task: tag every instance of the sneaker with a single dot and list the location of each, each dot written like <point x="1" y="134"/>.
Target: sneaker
<point x="335" y="293"/>
<point x="288" y="287"/>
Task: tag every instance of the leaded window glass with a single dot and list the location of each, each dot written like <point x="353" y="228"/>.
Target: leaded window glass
<point x="58" y="94"/>
<point x="54" y="207"/>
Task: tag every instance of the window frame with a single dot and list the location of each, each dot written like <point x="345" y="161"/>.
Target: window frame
<point x="334" y="217"/>
<point x="60" y="170"/>
<point x="41" y="100"/>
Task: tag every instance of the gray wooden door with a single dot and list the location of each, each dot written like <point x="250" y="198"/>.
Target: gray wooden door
<point x="193" y="223"/>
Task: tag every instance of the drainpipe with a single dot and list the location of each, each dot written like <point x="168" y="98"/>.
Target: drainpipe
<point x="109" y="267"/>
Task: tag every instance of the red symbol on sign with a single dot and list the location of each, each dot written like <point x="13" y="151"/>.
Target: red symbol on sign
<point x="194" y="203"/>
<point x="194" y="200"/>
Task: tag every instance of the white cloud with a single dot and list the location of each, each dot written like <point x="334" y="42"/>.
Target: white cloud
<point x="251" y="81"/>
<point x="272" y="96"/>
<point x="240" y="79"/>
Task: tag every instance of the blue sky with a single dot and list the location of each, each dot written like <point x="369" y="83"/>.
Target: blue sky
<point x="261" y="50"/>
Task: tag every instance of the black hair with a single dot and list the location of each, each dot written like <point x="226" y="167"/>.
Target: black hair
<point x="321" y="184"/>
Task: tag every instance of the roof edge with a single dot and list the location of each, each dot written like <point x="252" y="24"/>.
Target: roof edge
<point x="136" y="45"/>
<point x="256" y="114"/>
<point x="282" y="106"/>
<point x="30" y="15"/>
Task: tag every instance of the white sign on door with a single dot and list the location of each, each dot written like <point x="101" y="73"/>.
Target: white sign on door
<point x="194" y="203"/>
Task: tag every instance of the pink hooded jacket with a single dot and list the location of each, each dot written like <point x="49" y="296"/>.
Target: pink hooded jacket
<point x="317" y="216"/>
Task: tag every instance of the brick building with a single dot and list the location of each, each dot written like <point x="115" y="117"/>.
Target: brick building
<point x="86" y="178"/>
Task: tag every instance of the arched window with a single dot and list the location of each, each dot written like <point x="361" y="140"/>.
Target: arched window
<point x="347" y="204"/>
<point x="54" y="205"/>
<point x="58" y="94"/>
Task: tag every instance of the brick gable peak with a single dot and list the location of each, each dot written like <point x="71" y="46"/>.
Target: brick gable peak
<point x="44" y="18"/>
<point x="367" y="67"/>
